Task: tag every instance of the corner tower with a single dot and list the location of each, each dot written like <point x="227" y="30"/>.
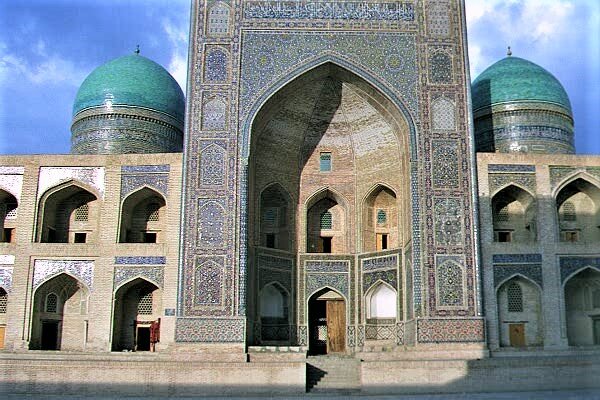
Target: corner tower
<point x="329" y="160"/>
<point x="128" y="105"/>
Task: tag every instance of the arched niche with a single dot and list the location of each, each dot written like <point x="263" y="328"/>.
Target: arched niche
<point x="582" y="308"/>
<point x="380" y="220"/>
<point x="514" y="215"/>
<point x="274" y="313"/>
<point x="8" y="216"/>
<point x="137" y="310"/>
<point x="520" y="313"/>
<point x="143" y="217"/>
<point x="276" y="218"/>
<point x="60" y="315"/>
<point x="577" y="207"/>
<point x="68" y="214"/>
<point x="326" y="223"/>
<point x="381" y="301"/>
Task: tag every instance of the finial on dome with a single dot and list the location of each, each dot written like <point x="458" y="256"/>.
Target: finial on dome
<point x="137" y="49"/>
<point x="509" y="52"/>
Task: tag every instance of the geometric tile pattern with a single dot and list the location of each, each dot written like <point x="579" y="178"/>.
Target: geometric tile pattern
<point x="6" y="278"/>
<point x="83" y="270"/>
<point x="568" y="265"/>
<point x="134" y="177"/>
<point x="525" y="181"/>
<point x="450" y="283"/>
<point x="448" y="221"/>
<point x="531" y="271"/>
<point x="210" y="330"/>
<point x="126" y="274"/>
<point x="53" y="176"/>
<point x="438" y="18"/>
<point x="450" y="330"/>
<point x="140" y="260"/>
<point x="442" y="114"/>
<point x="445" y="163"/>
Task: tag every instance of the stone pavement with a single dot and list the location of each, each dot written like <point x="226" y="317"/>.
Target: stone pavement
<point x="591" y="394"/>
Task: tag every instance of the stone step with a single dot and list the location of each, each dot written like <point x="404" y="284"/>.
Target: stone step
<point x="336" y="375"/>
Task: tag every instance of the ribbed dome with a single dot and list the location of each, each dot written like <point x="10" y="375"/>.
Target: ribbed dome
<point x="131" y="80"/>
<point x="514" y="79"/>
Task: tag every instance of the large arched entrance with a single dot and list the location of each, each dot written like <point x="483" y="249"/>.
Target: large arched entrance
<point x="136" y="324"/>
<point x="582" y="304"/>
<point x="60" y="315"/>
<point x="325" y="152"/>
<point x="327" y="322"/>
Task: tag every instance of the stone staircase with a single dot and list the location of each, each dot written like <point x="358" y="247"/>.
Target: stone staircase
<point x="333" y="374"/>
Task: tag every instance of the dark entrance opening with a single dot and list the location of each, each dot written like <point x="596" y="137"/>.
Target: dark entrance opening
<point x="142" y="338"/>
<point x="49" y="335"/>
<point x="326" y="244"/>
<point x="327" y="323"/>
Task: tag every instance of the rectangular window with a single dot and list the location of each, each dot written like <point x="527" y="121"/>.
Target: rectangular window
<point x="8" y="235"/>
<point x="325" y="162"/>
<point x="270" y="240"/>
<point x="382" y="241"/>
<point x="326" y="244"/>
<point x="80" y="237"/>
<point x="503" y="236"/>
<point x="571" y="236"/>
<point x="149" y="237"/>
<point x="52" y="235"/>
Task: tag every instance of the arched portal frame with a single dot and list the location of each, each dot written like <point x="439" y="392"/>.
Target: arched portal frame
<point x="290" y="217"/>
<point x="117" y="305"/>
<point x="582" y="229"/>
<point x="37" y="315"/>
<point x="395" y="227"/>
<point x="509" y="193"/>
<point x="538" y="323"/>
<point x="276" y="328"/>
<point x="8" y="206"/>
<point x="315" y="325"/>
<point x="567" y="316"/>
<point x="321" y="195"/>
<point x="152" y="192"/>
<point x="368" y="297"/>
<point x="244" y="153"/>
<point x="42" y="202"/>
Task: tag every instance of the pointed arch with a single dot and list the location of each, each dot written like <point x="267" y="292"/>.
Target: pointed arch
<point x="143" y="216"/>
<point x="514" y="214"/>
<point x="8" y="213"/>
<point x="327" y="222"/>
<point x="583" y="175"/>
<point x="276" y="218"/>
<point x="578" y="209"/>
<point x="58" y="217"/>
<point x="520" y="313"/>
<point x="381" y="300"/>
<point x="582" y="303"/>
<point x="314" y="63"/>
<point x="380" y="219"/>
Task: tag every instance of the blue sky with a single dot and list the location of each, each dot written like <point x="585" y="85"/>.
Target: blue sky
<point x="47" y="48"/>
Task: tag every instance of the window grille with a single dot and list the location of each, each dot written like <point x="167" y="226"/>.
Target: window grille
<point x="3" y="301"/>
<point x="152" y="212"/>
<point x="381" y="217"/>
<point x="514" y="296"/>
<point x="325" y="162"/>
<point x="52" y="303"/>
<point x="12" y="210"/>
<point x="218" y="20"/>
<point x="326" y="220"/>
<point x="568" y="212"/>
<point x="270" y="216"/>
<point x="501" y="213"/>
<point x="145" y="304"/>
<point x="82" y="213"/>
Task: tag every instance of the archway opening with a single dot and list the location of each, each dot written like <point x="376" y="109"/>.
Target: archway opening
<point x="276" y="219"/>
<point x="514" y="215"/>
<point x="326" y="226"/>
<point x="582" y="306"/>
<point x="520" y="313"/>
<point x="327" y="322"/>
<point x="68" y="215"/>
<point x="381" y="312"/>
<point x="380" y="220"/>
<point x="578" y="211"/>
<point x="143" y="216"/>
<point x="274" y="314"/>
<point x="136" y="322"/>
<point x="8" y="217"/>
<point x="60" y="308"/>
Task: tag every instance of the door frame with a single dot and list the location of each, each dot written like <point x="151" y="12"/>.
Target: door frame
<point x="327" y="294"/>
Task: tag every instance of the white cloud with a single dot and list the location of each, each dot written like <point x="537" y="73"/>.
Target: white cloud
<point x="535" y="26"/>
<point x="178" y="37"/>
<point x="51" y="69"/>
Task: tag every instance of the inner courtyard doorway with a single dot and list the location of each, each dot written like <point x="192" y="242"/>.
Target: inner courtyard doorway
<point x="327" y="323"/>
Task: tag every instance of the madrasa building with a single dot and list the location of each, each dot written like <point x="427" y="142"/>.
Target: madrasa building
<point x="331" y="185"/>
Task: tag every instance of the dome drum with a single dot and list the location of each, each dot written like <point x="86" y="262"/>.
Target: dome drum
<point x="128" y="105"/>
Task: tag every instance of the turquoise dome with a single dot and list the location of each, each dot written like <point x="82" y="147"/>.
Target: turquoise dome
<point x="135" y="81"/>
<point x="514" y="79"/>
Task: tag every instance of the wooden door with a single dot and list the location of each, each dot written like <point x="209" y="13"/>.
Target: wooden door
<point x="516" y="334"/>
<point x="2" y="331"/>
<point x="336" y="326"/>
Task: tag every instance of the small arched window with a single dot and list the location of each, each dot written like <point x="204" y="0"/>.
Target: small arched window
<point x="51" y="303"/>
<point x="514" y="297"/>
<point x="381" y="217"/>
